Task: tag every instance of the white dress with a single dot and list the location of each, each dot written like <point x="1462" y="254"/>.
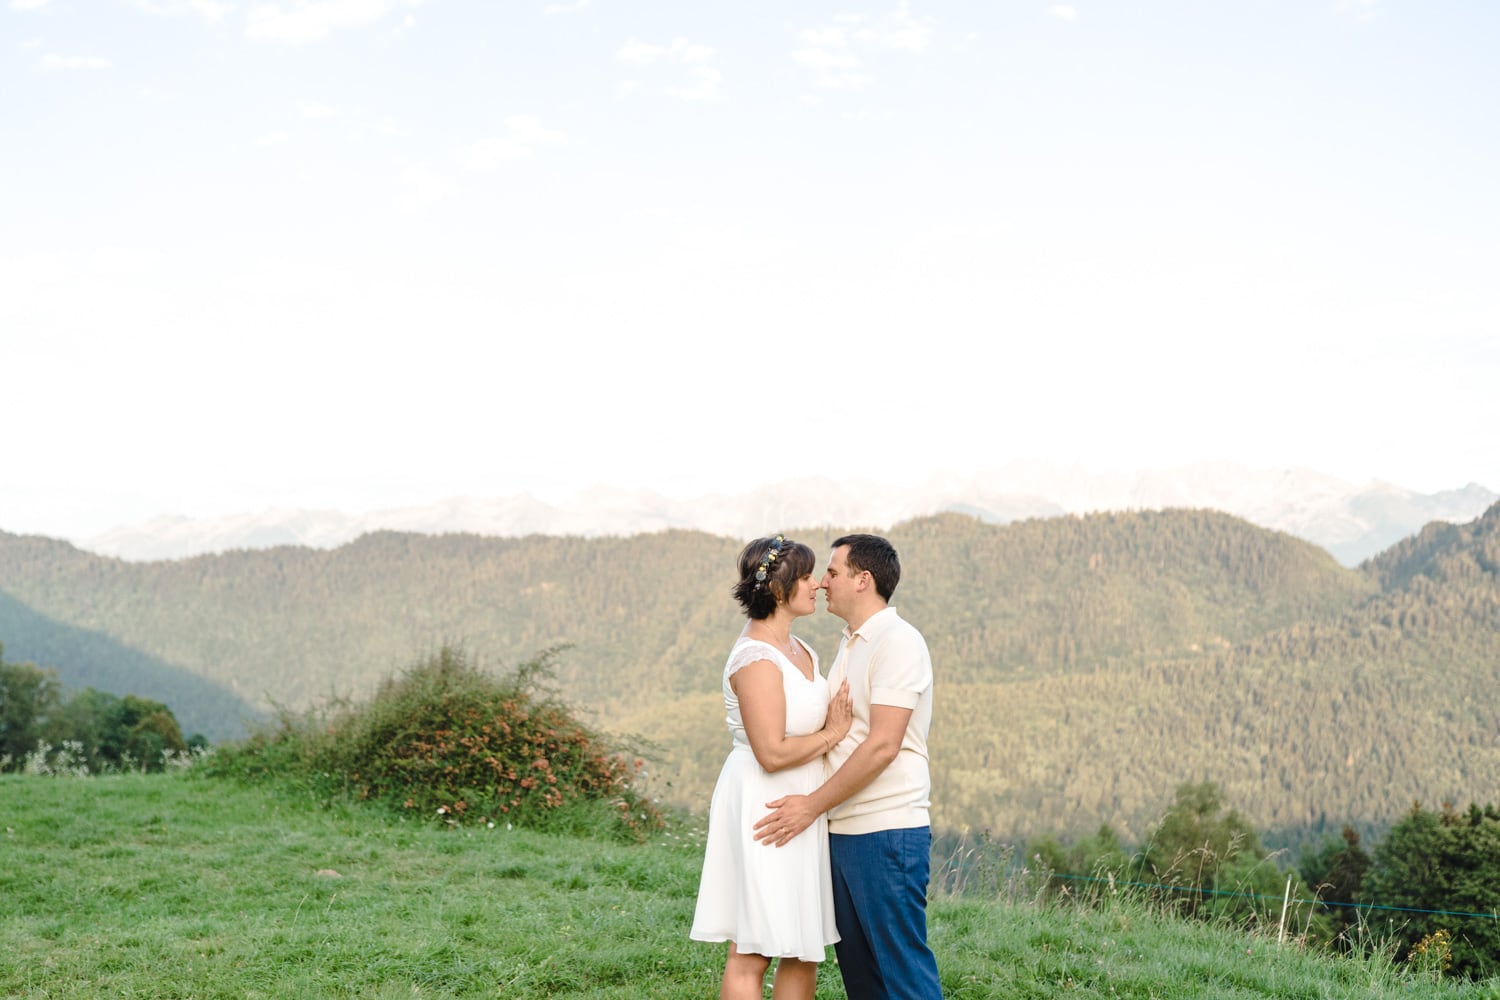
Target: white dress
<point x="775" y="901"/>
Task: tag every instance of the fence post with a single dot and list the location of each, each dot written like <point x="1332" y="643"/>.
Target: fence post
<point x="1285" y="898"/>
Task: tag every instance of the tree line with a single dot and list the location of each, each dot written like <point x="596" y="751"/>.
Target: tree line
<point x="91" y="729"/>
<point x="1426" y="892"/>
<point x="649" y="615"/>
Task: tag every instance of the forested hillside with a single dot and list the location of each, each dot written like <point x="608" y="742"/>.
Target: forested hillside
<point x="1087" y="664"/>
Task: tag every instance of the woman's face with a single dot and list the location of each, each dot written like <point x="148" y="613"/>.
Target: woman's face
<point x="804" y="599"/>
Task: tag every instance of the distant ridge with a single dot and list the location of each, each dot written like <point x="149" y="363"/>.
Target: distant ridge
<point x="1089" y="663"/>
<point x="1351" y="522"/>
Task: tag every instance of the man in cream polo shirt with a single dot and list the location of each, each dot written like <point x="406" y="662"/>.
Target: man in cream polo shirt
<point x="876" y="797"/>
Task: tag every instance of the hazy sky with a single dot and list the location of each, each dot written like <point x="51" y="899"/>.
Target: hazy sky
<point x="360" y="253"/>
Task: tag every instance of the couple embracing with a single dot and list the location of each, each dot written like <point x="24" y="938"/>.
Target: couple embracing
<point x="818" y="833"/>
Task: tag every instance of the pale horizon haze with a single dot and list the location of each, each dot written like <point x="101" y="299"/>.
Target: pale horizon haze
<point x="358" y="254"/>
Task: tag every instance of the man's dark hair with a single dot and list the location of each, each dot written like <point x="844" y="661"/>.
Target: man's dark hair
<point x="877" y="556"/>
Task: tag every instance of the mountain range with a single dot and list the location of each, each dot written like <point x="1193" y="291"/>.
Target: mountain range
<point x="1351" y="522"/>
<point x="1087" y="664"/>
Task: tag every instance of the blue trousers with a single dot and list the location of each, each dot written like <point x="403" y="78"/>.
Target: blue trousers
<point x="880" y="905"/>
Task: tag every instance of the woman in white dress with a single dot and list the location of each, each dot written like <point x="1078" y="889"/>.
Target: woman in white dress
<point x="771" y="903"/>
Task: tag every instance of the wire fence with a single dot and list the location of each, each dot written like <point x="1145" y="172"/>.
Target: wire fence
<point x="1199" y="890"/>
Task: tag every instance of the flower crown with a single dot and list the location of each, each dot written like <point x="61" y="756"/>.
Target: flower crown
<point x="768" y="560"/>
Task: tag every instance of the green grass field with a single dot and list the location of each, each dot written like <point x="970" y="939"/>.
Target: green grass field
<point x="179" y="886"/>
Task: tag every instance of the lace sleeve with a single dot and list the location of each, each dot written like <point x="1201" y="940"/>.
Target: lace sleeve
<point x="747" y="653"/>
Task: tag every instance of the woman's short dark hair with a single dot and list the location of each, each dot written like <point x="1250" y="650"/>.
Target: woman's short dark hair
<point x="876" y="554"/>
<point x="759" y="597"/>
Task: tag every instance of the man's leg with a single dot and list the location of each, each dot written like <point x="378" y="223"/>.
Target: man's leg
<point x="894" y="915"/>
<point x="852" y="860"/>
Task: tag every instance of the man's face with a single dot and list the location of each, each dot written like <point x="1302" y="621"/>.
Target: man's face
<point x="839" y="583"/>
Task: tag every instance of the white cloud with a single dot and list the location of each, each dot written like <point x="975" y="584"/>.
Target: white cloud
<point x="678" y="50"/>
<point x="564" y="8"/>
<point x="488" y="154"/>
<point x="1362" y="9"/>
<point x="897" y="31"/>
<point x="209" y="10"/>
<point x="825" y="60"/>
<point x="1063" y="11"/>
<point x="691" y="53"/>
<point x="523" y="134"/>
<point x="52" y="61"/>
<point x="301" y="21"/>
<point x="421" y="187"/>
<point x="529" y="130"/>
<point x="317" y="111"/>
<point x="273" y="139"/>
<point x="639" y="53"/>
<point x="703" y="83"/>
<point x="838" y="69"/>
<point x="832" y="51"/>
<point x="824" y="37"/>
<point x="28" y="4"/>
<point x="31" y="270"/>
<point x="131" y="262"/>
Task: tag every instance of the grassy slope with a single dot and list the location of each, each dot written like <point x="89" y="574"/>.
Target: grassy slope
<point x="178" y="886"/>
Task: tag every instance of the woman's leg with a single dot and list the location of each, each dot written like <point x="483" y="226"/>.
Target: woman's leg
<point x="744" y="975"/>
<point x="795" y="980"/>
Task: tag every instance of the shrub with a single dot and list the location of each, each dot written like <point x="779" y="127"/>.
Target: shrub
<point x="448" y="742"/>
<point x="1440" y="867"/>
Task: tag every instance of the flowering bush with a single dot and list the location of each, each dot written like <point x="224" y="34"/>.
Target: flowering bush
<point x="447" y="741"/>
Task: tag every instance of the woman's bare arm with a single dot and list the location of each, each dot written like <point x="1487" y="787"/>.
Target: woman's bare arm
<point x="763" y="710"/>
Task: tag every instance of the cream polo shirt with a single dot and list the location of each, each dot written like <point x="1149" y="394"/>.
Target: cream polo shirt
<point x="887" y="663"/>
